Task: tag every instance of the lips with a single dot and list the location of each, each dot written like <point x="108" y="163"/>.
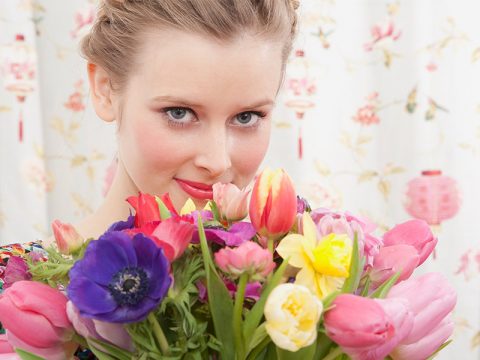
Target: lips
<point x="196" y="190"/>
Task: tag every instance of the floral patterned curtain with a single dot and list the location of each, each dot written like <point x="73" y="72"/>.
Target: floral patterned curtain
<point x="379" y="115"/>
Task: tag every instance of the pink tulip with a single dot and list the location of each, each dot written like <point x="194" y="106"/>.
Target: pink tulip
<point x="416" y="233"/>
<point x="431" y="299"/>
<point x="90" y="328"/>
<point x="426" y="346"/>
<point x="173" y="235"/>
<point x="67" y="238"/>
<point x="5" y="347"/>
<point x="16" y="270"/>
<point x="34" y="315"/>
<point x="391" y="259"/>
<point x="273" y="205"/>
<point x="232" y="202"/>
<point x="368" y="329"/>
<point x="249" y="258"/>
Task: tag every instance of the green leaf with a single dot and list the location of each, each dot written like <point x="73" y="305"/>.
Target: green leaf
<point x="440" y="348"/>
<point x="305" y="353"/>
<point x="327" y="300"/>
<point x="366" y="287"/>
<point x="324" y="344"/>
<point x="271" y="353"/>
<point x="255" y="315"/>
<point x="258" y="337"/>
<point x="115" y="351"/>
<point x="215" y="211"/>
<point x="382" y="291"/>
<point x="25" y="355"/>
<point x="219" y="300"/>
<point x="164" y="212"/>
<point x="356" y="267"/>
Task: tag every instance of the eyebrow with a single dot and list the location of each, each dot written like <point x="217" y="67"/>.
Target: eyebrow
<point x="183" y="102"/>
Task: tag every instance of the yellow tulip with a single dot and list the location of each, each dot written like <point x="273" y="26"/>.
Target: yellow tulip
<point x="324" y="262"/>
<point x="292" y="313"/>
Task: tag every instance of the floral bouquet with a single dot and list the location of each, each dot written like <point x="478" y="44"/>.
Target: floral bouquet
<point x="290" y="283"/>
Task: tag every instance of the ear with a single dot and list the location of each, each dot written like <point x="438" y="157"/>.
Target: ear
<point x="101" y="92"/>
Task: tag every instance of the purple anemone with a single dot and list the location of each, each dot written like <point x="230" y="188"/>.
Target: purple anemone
<point x="120" y="279"/>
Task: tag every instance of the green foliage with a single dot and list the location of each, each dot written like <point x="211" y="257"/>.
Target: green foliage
<point x="25" y="355"/>
<point x="382" y="291"/>
<point x="221" y="305"/>
<point x="54" y="271"/>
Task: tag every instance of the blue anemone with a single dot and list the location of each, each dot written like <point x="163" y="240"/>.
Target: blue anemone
<point x="120" y="279"/>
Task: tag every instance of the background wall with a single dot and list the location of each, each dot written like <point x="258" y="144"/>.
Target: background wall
<point x="380" y="115"/>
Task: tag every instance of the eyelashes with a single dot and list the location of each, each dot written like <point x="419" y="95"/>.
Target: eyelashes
<point x="180" y="123"/>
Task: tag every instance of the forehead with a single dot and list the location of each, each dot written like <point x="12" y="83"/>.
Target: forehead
<point x="183" y="64"/>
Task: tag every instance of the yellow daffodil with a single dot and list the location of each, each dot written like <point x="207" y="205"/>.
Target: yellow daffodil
<point x="324" y="262"/>
<point x="190" y="207"/>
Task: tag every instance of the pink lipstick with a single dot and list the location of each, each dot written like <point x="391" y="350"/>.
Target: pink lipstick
<point x="196" y="190"/>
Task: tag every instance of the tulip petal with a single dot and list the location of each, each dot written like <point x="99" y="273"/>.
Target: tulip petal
<point x="38" y="296"/>
<point x="26" y="322"/>
<point x="283" y="209"/>
<point x="427" y="345"/>
<point x="56" y="352"/>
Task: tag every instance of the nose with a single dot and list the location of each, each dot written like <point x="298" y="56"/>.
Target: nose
<point x="213" y="155"/>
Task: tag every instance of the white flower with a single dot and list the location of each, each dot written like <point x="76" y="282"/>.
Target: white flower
<point x="292" y="313"/>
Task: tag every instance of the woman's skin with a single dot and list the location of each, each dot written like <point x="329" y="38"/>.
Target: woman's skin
<point x="193" y="109"/>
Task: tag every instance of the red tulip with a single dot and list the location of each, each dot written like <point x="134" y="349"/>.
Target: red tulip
<point x="146" y="209"/>
<point x="416" y="233"/>
<point x="173" y="235"/>
<point x="273" y="205"/>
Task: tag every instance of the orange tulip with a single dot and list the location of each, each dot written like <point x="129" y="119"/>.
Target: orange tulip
<point x="273" y="205"/>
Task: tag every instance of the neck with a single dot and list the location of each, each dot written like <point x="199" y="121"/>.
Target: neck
<point x="114" y="207"/>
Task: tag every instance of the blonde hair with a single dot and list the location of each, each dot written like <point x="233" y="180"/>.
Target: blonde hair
<point x="114" y="39"/>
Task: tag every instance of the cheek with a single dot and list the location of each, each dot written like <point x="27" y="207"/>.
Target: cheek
<point x="248" y="153"/>
<point x="150" y="151"/>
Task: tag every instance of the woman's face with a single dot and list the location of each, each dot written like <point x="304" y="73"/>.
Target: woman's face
<point x="196" y="112"/>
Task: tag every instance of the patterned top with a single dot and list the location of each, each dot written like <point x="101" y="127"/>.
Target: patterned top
<point x="16" y="250"/>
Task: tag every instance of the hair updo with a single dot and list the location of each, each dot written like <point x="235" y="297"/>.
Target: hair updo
<point x="113" y="40"/>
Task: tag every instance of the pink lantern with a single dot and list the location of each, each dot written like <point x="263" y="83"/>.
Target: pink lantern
<point x="19" y="70"/>
<point x="433" y="197"/>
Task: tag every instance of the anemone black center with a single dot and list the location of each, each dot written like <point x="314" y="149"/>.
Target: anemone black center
<point x="129" y="286"/>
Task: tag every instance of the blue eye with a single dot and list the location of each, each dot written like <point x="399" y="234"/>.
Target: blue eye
<point x="249" y="118"/>
<point x="177" y="116"/>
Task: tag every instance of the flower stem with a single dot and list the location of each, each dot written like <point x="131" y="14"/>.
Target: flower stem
<point x="159" y="335"/>
<point x="270" y="244"/>
<point x="237" y="316"/>
<point x="333" y="354"/>
<point x="80" y="340"/>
